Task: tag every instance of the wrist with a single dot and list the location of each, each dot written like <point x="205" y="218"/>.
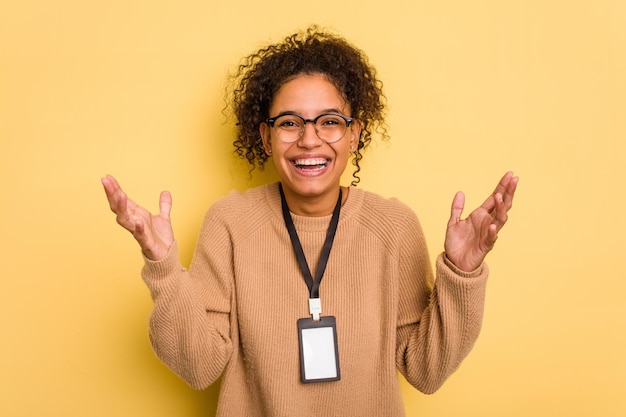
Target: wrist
<point x="459" y="266"/>
<point x="156" y="254"/>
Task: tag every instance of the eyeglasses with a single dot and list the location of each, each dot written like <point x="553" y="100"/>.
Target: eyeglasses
<point x="329" y="127"/>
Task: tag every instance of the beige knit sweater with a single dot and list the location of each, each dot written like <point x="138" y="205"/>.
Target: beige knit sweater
<point x="235" y="310"/>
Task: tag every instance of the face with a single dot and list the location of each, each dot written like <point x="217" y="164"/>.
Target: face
<point x="310" y="168"/>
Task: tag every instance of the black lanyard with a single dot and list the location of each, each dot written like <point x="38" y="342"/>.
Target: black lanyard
<point x="313" y="285"/>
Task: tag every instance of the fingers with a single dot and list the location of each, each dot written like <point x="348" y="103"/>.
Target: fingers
<point x="458" y="203"/>
<point x="492" y="236"/>
<point x="504" y="181"/>
<point x="510" y="192"/>
<point x="506" y="187"/>
<point x="468" y="241"/>
<point x="165" y="204"/>
<point x="499" y="214"/>
<point x="124" y="216"/>
<point x="139" y="233"/>
<point x="503" y="199"/>
<point x="153" y="232"/>
<point x="126" y="211"/>
<point x="111" y="188"/>
<point x="145" y="239"/>
<point x="118" y="202"/>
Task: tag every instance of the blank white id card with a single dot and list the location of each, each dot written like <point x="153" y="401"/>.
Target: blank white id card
<point x="319" y="354"/>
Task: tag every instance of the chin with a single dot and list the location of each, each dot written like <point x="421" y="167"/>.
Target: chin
<point x="309" y="188"/>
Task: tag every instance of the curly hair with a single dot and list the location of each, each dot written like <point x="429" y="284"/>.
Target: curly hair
<point x="261" y="74"/>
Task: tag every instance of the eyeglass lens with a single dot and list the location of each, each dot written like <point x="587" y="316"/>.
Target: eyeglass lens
<point x="329" y="127"/>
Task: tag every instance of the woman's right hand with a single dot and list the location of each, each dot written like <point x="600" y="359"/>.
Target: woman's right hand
<point x="153" y="232"/>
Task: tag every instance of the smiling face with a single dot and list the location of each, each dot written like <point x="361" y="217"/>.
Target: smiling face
<point x="310" y="169"/>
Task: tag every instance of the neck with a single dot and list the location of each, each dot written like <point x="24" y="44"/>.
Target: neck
<point x="314" y="206"/>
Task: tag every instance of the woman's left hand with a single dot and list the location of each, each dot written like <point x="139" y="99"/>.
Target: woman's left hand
<point x="469" y="240"/>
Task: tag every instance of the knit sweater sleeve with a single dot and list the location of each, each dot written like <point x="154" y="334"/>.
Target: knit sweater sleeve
<point x="438" y="322"/>
<point x="190" y="322"/>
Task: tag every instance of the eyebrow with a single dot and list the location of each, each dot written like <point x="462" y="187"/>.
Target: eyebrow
<point x="293" y="113"/>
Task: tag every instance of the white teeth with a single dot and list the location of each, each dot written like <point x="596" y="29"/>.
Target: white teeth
<point x="310" y="162"/>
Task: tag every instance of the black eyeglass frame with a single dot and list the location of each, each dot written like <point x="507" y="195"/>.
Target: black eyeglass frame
<point x="346" y="119"/>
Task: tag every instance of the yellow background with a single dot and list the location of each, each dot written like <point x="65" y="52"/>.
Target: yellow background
<point x="134" y="88"/>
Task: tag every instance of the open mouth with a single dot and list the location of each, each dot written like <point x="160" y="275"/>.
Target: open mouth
<point x="313" y="164"/>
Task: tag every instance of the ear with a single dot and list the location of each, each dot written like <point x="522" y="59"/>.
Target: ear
<point x="355" y="134"/>
<point x="266" y="136"/>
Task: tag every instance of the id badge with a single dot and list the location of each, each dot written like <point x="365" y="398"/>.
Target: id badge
<point x="319" y="354"/>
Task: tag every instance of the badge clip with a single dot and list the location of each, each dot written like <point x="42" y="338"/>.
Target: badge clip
<point x="315" y="308"/>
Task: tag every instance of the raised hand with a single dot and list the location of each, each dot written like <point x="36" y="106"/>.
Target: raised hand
<point x="153" y="232"/>
<point x="469" y="240"/>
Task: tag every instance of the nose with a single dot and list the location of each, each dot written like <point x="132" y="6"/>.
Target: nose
<point x="309" y="138"/>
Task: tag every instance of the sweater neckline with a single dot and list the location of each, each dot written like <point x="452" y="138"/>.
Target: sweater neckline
<point x="314" y="224"/>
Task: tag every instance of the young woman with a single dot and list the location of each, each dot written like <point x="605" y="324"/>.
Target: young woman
<point x="305" y="295"/>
